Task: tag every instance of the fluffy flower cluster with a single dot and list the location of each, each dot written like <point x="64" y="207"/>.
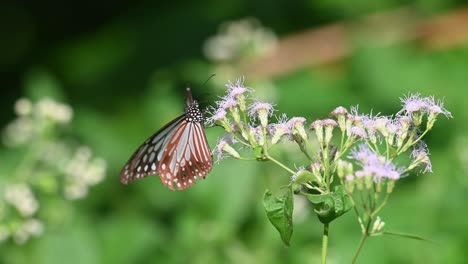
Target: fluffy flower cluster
<point x="35" y="118"/>
<point x="248" y="123"/>
<point x="52" y="167"/>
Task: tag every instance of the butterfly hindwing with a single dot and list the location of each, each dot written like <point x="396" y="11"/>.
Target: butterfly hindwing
<point x="189" y="159"/>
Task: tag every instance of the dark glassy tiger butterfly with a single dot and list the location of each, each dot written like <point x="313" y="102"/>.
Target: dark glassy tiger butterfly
<point x="178" y="152"/>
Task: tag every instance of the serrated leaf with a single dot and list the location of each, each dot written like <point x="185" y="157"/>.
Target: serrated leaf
<point x="279" y="211"/>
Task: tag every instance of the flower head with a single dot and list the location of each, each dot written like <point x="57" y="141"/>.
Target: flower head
<point x="317" y="126"/>
<point x="329" y="125"/>
<point x="414" y="103"/>
<point x="340" y="113"/>
<point x="373" y="165"/>
<point x="219" y="114"/>
<point x="228" y="103"/>
<point x="277" y="130"/>
<point x="224" y="146"/>
<point x="22" y="198"/>
<point x="420" y="156"/>
<point x="357" y="132"/>
<point x="296" y="126"/>
<point x="237" y="91"/>
<point x="262" y="111"/>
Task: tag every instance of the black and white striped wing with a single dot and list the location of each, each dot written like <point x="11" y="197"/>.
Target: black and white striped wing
<point x="146" y="158"/>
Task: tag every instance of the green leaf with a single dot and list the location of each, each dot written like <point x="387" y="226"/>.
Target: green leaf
<point x="408" y="235"/>
<point x="279" y="211"/>
<point x="305" y="176"/>
<point x="330" y="206"/>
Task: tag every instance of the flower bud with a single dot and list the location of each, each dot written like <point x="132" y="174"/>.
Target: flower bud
<point x="340" y="114"/>
<point x="329" y="125"/>
<point x="317" y="126"/>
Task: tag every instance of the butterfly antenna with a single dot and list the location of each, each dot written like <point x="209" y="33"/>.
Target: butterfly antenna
<point x="211" y="76"/>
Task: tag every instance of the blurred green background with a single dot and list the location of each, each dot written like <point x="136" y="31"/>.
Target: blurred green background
<point x="122" y="66"/>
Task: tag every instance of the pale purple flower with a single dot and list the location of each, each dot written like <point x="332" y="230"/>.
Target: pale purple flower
<point x="436" y="108"/>
<point x="296" y="125"/>
<point x="257" y="134"/>
<point x="370" y="126"/>
<point x="329" y="123"/>
<point x="317" y="124"/>
<point x="295" y="122"/>
<point x="224" y="146"/>
<point x="339" y="111"/>
<point x="217" y="115"/>
<point x="228" y="103"/>
<point x="356" y="117"/>
<point x="420" y="156"/>
<point x="405" y="122"/>
<point x="393" y="126"/>
<point x="349" y="177"/>
<point x="357" y="131"/>
<point x="277" y="130"/>
<point x="262" y="111"/>
<point x="414" y="103"/>
<point x="237" y="88"/>
<point x="374" y="165"/>
<point x="259" y="106"/>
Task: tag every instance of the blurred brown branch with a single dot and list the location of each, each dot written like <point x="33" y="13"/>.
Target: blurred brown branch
<point x="333" y="42"/>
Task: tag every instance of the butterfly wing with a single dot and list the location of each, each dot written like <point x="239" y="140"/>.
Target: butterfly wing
<point x="146" y="158"/>
<point x="178" y="152"/>
<point x="186" y="157"/>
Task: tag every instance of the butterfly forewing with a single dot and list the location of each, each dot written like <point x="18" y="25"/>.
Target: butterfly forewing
<point x="145" y="160"/>
<point x="178" y="152"/>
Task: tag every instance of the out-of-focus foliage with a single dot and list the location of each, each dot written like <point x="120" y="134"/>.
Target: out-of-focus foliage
<point x="122" y="69"/>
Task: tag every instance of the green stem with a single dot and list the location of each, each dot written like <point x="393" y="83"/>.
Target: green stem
<point x="324" y="243"/>
<point x="309" y="145"/>
<point x="361" y="244"/>
<point x="240" y="140"/>
<point x="342" y="140"/>
<point x="409" y="143"/>
<point x="384" y="202"/>
<point x="279" y="163"/>
<point x="363" y="240"/>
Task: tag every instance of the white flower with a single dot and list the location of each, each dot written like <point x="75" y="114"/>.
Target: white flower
<point x="22" y="198"/>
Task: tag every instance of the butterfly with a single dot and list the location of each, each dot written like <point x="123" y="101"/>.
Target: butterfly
<point x="179" y="152"/>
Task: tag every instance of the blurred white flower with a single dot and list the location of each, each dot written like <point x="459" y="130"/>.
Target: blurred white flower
<point x="75" y="191"/>
<point x="50" y="109"/>
<point x="4" y="233"/>
<point x="22" y="198"/>
<point x="23" y="107"/>
<point x="53" y="166"/>
<point x="29" y="228"/>
<point x="18" y="132"/>
<point x="237" y="39"/>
